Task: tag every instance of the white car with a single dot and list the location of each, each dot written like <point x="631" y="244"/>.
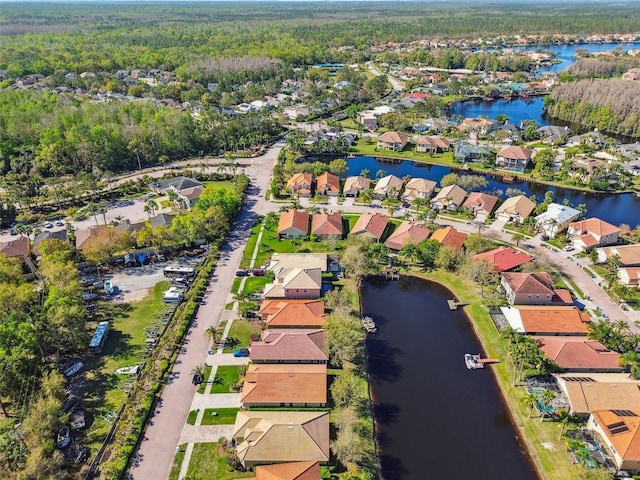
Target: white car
<point x="48" y="225"/>
<point x="567" y="248"/>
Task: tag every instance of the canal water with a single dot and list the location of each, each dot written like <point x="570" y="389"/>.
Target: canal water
<point x="435" y="419"/>
<point x="615" y="209"/>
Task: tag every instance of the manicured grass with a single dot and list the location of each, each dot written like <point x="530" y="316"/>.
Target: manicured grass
<point x="219" y="185"/>
<point x="253" y="284"/>
<point x="553" y="463"/>
<point x="574" y="286"/>
<point x="236" y="284"/>
<point x="224" y="416"/>
<point x="226" y="376"/>
<point x="250" y="247"/>
<point x="191" y="418"/>
<point x="125" y="346"/>
<point x="177" y="463"/>
<point x="207" y="374"/>
<point x="229" y="306"/>
<point x="240" y="334"/>
<point x="363" y="148"/>
<point x="206" y="464"/>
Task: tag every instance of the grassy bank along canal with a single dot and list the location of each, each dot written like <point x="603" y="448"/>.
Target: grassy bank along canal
<point x="542" y="438"/>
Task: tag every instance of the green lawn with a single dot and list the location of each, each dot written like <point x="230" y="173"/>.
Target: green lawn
<point x="207" y="374"/>
<point x="177" y="463"/>
<point x="219" y="185"/>
<point x="253" y="284"/>
<point x="106" y="390"/>
<point x="251" y="245"/>
<point x="240" y="334"/>
<point x="219" y="416"/>
<point x="364" y="148"/>
<point x="191" y="418"/>
<point x="206" y="464"/>
<point x="226" y="376"/>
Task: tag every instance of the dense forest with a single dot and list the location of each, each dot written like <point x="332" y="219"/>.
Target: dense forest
<point x="602" y="67"/>
<point x="610" y="105"/>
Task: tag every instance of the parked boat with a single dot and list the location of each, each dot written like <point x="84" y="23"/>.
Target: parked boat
<point x="129" y="370"/>
<point x="78" y="420"/>
<point x="369" y="325"/>
<point x="73" y="369"/>
<point x="473" y="361"/>
<point x="64" y="437"/>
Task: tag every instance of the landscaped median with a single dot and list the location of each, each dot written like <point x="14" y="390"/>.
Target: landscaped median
<point x="541" y="438"/>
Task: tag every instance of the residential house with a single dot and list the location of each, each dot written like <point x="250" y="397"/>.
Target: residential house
<point x="187" y="190"/>
<point x="371" y="225"/>
<point x="289" y="471"/>
<point x="406" y="233"/>
<point x="514" y="158"/>
<point x="450" y="198"/>
<point x="280" y="385"/>
<point x="354" y="186"/>
<point x="628" y="255"/>
<point x="161" y="220"/>
<point x="293" y="224"/>
<point x="579" y="354"/>
<point x="481" y="204"/>
<point x="619" y="430"/>
<point x="515" y="209"/>
<point x="300" y="184"/>
<point x="588" y="168"/>
<point x="61" y="235"/>
<point x="546" y="321"/>
<point x="466" y="152"/>
<point x="553" y="135"/>
<point x="188" y="197"/>
<point x="388" y="186"/>
<point x="597" y="391"/>
<point x="295" y="283"/>
<point x="481" y="126"/>
<point x="532" y="289"/>
<point x="293" y="345"/>
<point x="629" y="276"/>
<point x="296" y="111"/>
<point x="293" y="313"/>
<point x="504" y="258"/>
<point x="279" y="437"/>
<point x="327" y="225"/>
<point x="282" y="262"/>
<point x="593" y="139"/>
<point x="328" y="184"/>
<point x="433" y="144"/>
<point x="19" y="248"/>
<point x="556" y="218"/>
<point x="395" y="141"/>
<point x="83" y="236"/>
<point x="368" y="119"/>
<point x="592" y="232"/>
<point x="449" y="237"/>
<point x="418" y="188"/>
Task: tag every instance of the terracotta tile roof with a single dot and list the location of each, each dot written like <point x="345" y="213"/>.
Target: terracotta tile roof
<point x="300" y="179"/>
<point x="293" y="313"/>
<point x="18" y="247"/>
<point x="594" y="225"/>
<point x="437" y="142"/>
<point x="272" y="384"/>
<point x="289" y="471"/>
<point x="290" y="345"/>
<point x="328" y="182"/>
<point x="484" y="202"/>
<point x="518" y="205"/>
<point x="327" y="224"/>
<point x="568" y="320"/>
<point x="393" y="137"/>
<point x="515" y="153"/>
<point x="632" y="272"/>
<point x="587" y="396"/>
<point x="626" y="441"/>
<point x="298" y="219"/>
<point x="629" y="254"/>
<point x="371" y="223"/>
<point x="449" y="237"/>
<point x="587" y="239"/>
<point x="407" y="232"/>
<point x="270" y="437"/>
<point x="578" y="353"/>
<point x="530" y="283"/>
<point x="504" y="258"/>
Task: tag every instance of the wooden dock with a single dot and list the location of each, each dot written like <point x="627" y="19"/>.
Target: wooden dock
<point x="453" y="305"/>
<point x="487" y="361"/>
<point x="391" y="273"/>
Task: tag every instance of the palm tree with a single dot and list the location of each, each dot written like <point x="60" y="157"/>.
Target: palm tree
<point x="530" y="401"/>
<point x="366" y="173"/>
<point x="546" y="398"/>
<point x="93" y="210"/>
<point x="199" y="370"/>
<point x="213" y="334"/>
<point x="517" y="238"/>
<point x="103" y="212"/>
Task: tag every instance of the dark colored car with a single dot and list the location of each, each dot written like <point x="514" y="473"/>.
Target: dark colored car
<point x="197" y="379"/>
<point x="82" y="456"/>
<point x="240" y="273"/>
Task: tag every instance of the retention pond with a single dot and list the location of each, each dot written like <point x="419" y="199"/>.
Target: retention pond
<point x="435" y="419"/>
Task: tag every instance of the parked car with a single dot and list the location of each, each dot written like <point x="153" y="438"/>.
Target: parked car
<point x="240" y="273"/>
<point x="567" y="248"/>
<point x="78" y="420"/>
<point x="82" y="456"/>
<point x="64" y="437"/>
<point x="59" y="224"/>
<point x="73" y="369"/>
<point x="197" y="379"/>
<point x="241" y="352"/>
<point x="258" y="272"/>
<point x="48" y="225"/>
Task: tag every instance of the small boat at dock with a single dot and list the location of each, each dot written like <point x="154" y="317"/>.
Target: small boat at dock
<point x="369" y="325"/>
<point x="472" y="361"/>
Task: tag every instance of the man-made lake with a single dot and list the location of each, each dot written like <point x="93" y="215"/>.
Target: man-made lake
<point x="435" y="419"/>
<point x="531" y="108"/>
<point x="615" y="209"/>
